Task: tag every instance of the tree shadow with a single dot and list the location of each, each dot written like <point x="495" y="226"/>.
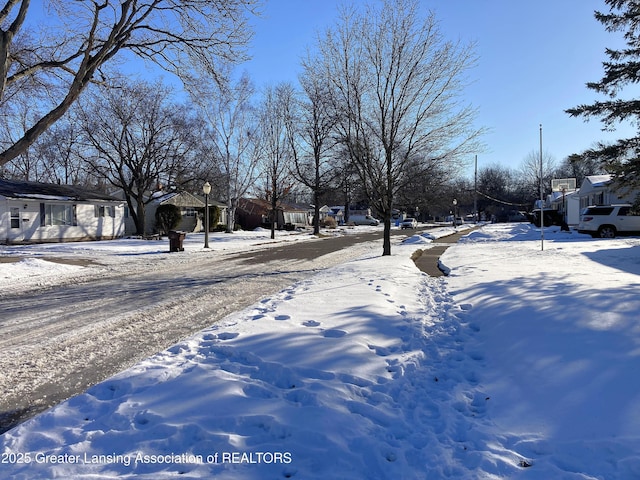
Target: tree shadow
<point x="611" y="257"/>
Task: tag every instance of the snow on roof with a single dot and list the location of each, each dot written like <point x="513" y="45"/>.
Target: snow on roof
<point x="44" y="197"/>
<point x="599" y="180"/>
<point x="160" y="197"/>
<point x="50" y="191"/>
<point x="180" y="199"/>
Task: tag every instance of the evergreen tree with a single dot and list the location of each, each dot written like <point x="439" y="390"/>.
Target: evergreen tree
<point x="621" y="158"/>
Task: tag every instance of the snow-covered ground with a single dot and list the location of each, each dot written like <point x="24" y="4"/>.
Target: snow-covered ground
<point x="43" y="265"/>
<point x="522" y="363"/>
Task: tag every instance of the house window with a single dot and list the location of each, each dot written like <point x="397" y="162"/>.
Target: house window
<point x="15" y="217"/>
<point x="57" y="214"/>
<point x="105" y="211"/>
<point x="599" y="199"/>
<point x="188" y="212"/>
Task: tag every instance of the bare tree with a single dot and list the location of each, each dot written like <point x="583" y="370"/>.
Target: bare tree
<point x="276" y="146"/>
<point x="55" y="61"/>
<point x="395" y="84"/>
<point x="529" y="174"/>
<point x="578" y="167"/>
<point x="139" y="141"/>
<point x="233" y="129"/>
<point x="60" y="151"/>
<point x="26" y="166"/>
<point x="427" y="187"/>
<point x="311" y="132"/>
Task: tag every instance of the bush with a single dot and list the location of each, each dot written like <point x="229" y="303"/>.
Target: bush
<point x="328" y="222"/>
<point x="167" y="218"/>
<point x="214" y="217"/>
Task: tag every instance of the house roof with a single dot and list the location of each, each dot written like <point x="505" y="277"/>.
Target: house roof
<point x="20" y="189"/>
<point x="179" y="199"/>
<point x="184" y="199"/>
<point x="593" y="183"/>
<point x="599" y="180"/>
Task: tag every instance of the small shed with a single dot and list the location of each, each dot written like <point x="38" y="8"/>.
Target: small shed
<point x="32" y="212"/>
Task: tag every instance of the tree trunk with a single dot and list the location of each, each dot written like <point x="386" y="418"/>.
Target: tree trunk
<point x="274" y="216"/>
<point x="231" y="217"/>
<point x="316" y="213"/>
<point x="6" y="39"/>
<point x="140" y="217"/>
<point x="386" y="244"/>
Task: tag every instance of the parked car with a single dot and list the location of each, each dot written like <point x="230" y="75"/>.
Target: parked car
<point x="607" y="221"/>
<point x="409" y="223"/>
<point x="363" y="220"/>
<point x="551" y="217"/>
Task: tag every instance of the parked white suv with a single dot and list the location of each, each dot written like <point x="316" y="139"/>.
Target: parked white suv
<point x="607" y="221"/>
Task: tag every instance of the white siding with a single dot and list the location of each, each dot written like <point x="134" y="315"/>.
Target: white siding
<point x="86" y="225"/>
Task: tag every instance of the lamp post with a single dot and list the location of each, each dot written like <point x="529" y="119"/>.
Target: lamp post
<point x="455" y="211"/>
<point x="206" y="189"/>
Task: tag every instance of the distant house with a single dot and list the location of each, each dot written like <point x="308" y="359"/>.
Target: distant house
<point x="41" y="212"/>
<point x="255" y="212"/>
<point x="567" y="204"/>
<point x="191" y="208"/>
<point x="335" y="212"/>
<point x="601" y="190"/>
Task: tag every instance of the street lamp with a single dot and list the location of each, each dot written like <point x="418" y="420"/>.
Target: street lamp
<point x="206" y="189"/>
<point x="455" y="211"/>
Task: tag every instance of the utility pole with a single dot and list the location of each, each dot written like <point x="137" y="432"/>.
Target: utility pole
<point x="541" y="196"/>
<point x="475" y="193"/>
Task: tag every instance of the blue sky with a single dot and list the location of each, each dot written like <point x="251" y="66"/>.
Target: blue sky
<point x="534" y="61"/>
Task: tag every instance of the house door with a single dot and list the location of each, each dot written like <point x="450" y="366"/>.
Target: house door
<point x="22" y="226"/>
<point x="16" y="234"/>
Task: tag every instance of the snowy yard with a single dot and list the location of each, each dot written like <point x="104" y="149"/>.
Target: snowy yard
<point x="521" y="364"/>
<point x="36" y="268"/>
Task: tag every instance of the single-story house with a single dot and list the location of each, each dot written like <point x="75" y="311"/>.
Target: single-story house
<point x="33" y="212"/>
<point x="601" y="190"/>
<point x="255" y="212"/>
<point x="191" y="208"/>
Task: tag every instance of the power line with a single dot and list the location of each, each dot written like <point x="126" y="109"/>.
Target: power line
<point x="504" y="202"/>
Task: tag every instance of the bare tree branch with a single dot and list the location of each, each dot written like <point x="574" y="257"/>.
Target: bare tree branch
<point x="395" y="86"/>
<point x="173" y="34"/>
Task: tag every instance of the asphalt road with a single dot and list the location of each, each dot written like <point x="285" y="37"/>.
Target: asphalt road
<point x="57" y="342"/>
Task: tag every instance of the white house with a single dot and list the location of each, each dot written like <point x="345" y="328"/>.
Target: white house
<point x="601" y="190"/>
<point x="41" y="212"/>
<point x="336" y="212"/>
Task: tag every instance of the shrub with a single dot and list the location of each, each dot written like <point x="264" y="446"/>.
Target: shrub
<point x="167" y="218"/>
<point x="328" y="222"/>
